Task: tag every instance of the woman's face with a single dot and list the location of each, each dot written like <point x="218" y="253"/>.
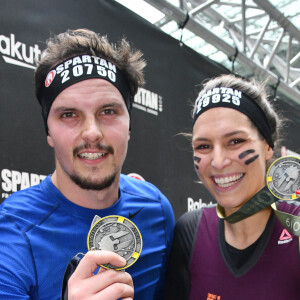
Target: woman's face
<point x="229" y="156"/>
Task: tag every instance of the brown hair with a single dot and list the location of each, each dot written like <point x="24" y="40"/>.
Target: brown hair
<point x="83" y="41"/>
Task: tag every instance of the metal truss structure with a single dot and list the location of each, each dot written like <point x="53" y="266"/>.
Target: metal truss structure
<point x="254" y="36"/>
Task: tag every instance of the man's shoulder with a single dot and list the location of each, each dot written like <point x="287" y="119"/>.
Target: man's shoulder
<point x="28" y="205"/>
<point x="140" y="188"/>
<point x="30" y="194"/>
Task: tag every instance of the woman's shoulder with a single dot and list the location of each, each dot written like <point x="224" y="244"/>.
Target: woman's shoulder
<point x="192" y="218"/>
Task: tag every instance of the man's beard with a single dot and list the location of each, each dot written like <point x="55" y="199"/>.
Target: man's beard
<point x="87" y="184"/>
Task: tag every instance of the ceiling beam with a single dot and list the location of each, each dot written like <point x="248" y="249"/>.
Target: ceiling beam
<point x="178" y="15"/>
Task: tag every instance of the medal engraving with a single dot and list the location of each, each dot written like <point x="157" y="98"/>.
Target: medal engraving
<point x="283" y="177"/>
<point x="117" y="234"/>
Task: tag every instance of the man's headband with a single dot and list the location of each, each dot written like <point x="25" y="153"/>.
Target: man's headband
<point x="76" y="69"/>
<point x="235" y="99"/>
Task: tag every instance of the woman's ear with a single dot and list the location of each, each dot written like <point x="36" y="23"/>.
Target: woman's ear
<point x="269" y="152"/>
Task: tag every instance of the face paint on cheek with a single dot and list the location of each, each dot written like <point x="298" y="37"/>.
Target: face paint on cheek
<point x="251" y="160"/>
<point x="245" y="153"/>
<point x="197" y="161"/>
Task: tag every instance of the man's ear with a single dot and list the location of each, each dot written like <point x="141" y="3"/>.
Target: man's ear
<point x="49" y="140"/>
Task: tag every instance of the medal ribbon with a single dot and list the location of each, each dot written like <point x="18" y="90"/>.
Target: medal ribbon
<point x="288" y="221"/>
<point x="258" y="202"/>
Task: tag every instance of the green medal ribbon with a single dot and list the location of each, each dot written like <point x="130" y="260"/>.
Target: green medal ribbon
<point x="264" y="198"/>
<point x="258" y="202"/>
<point x="288" y="221"/>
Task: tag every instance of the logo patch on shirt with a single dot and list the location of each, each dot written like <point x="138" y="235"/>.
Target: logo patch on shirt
<point x="285" y="237"/>
<point x="132" y="215"/>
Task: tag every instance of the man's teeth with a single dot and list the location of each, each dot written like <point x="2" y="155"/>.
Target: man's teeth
<point x="227" y="181"/>
<point x="91" y="155"/>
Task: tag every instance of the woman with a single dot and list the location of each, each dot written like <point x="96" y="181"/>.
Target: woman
<point x="235" y="134"/>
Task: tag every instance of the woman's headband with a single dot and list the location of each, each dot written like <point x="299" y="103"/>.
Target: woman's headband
<point x="235" y="99"/>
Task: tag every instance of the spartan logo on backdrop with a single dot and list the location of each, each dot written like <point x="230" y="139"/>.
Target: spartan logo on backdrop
<point x="18" y="53"/>
<point x="148" y="101"/>
<point x="12" y="181"/>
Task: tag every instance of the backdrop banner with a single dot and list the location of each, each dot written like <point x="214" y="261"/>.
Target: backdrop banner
<point x="162" y="109"/>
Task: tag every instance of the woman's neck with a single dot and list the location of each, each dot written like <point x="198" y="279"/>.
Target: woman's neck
<point x="244" y="233"/>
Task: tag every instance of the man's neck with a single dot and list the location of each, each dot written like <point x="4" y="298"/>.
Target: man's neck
<point x="92" y="199"/>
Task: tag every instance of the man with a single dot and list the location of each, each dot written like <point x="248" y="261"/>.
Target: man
<point x="85" y="86"/>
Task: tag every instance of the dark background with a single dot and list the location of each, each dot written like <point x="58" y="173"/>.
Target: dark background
<point x="174" y="74"/>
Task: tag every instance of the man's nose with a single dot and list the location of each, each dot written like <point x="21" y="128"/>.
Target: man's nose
<point x="92" y="130"/>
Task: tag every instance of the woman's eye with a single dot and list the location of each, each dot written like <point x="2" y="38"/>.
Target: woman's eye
<point x="201" y="147"/>
<point x="236" y="141"/>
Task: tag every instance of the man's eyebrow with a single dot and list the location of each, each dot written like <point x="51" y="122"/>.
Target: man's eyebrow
<point x="111" y="104"/>
<point x="70" y="108"/>
<point x="63" y="108"/>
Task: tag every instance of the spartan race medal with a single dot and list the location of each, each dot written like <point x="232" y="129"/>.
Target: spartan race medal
<point x="283" y="177"/>
<point x="117" y="234"/>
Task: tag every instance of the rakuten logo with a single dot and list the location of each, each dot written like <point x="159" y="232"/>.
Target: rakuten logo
<point x="18" y="53"/>
<point x="192" y="205"/>
<point x="12" y="181"/>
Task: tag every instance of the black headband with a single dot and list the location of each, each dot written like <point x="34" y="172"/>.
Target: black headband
<point x="233" y="98"/>
<point x="76" y="69"/>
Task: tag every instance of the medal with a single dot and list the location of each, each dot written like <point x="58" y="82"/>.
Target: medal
<point x="283" y="177"/>
<point x="117" y="234"/>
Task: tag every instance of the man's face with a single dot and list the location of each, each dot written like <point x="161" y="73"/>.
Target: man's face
<point x="89" y="130"/>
